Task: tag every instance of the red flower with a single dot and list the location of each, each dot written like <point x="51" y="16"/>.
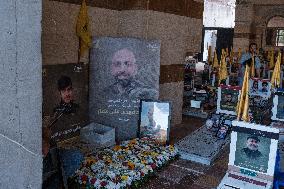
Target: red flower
<point x="153" y="165"/>
<point x="84" y="177"/>
<point x="103" y="183"/>
<point x="142" y="174"/>
<point x="93" y="180"/>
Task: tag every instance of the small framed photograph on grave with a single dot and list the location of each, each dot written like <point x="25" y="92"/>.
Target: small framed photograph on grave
<point x="253" y="148"/>
<point x="260" y="87"/>
<point x="278" y="106"/>
<point x="228" y="97"/>
<point x="154" y="120"/>
<point x="222" y="131"/>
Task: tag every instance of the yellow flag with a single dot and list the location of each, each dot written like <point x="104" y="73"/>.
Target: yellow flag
<point x="209" y="59"/>
<point x="231" y="56"/>
<point x="223" y="72"/>
<point x="227" y="51"/>
<point x="275" y="79"/>
<point x="215" y="61"/>
<point x="271" y="62"/>
<point x="83" y="29"/>
<point x="243" y="105"/>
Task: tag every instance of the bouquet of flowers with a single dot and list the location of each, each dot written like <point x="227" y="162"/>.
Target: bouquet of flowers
<point x="125" y="165"/>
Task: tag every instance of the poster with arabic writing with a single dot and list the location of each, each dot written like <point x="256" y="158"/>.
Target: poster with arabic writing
<point x="122" y="71"/>
<point x="65" y="99"/>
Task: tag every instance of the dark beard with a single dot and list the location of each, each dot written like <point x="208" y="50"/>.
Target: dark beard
<point x="124" y="82"/>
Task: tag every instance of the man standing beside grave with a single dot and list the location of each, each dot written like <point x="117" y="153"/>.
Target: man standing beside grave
<point x="247" y="58"/>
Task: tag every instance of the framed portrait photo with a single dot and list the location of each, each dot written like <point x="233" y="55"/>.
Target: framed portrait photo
<point x="228" y="97"/>
<point x="65" y="100"/>
<point x="253" y="148"/>
<point x="222" y="131"/>
<point x="154" y="120"/>
<point x="278" y="106"/>
<point x="260" y="87"/>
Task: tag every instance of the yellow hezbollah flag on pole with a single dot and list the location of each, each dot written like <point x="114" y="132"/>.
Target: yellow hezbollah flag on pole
<point x="83" y="29"/>
<point x="275" y="79"/>
<point x="223" y="72"/>
<point x="271" y="62"/>
<point x="243" y="105"/>
<point x="215" y="61"/>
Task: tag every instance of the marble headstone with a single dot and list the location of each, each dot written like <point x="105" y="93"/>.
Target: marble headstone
<point x="122" y="71"/>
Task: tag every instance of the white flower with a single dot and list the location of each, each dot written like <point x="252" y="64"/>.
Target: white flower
<point x="111" y="174"/>
<point x="111" y="185"/>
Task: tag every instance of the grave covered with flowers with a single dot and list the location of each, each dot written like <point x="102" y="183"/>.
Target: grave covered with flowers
<point x="127" y="165"/>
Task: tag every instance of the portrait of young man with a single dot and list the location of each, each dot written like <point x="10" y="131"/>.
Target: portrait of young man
<point x="229" y="99"/>
<point x="65" y="91"/>
<point x="264" y="88"/>
<point x="254" y="88"/>
<point x="65" y="100"/>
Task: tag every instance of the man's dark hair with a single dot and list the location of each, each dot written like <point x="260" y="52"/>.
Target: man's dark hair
<point x="63" y="82"/>
<point x="253" y="137"/>
<point x="252" y="44"/>
<point x="264" y="83"/>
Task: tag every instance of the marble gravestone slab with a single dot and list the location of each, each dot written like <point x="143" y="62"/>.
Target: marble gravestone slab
<point x="122" y="71"/>
<point x="201" y="146"/>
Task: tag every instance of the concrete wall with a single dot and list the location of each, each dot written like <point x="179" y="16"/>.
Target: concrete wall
<point x="20" y="94"/>
<point x="251" y="21"/>
<point x="178" y="35"/>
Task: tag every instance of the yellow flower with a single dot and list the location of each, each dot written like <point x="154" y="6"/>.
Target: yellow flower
<point x="116" y="148"/>
<point x="143" y="161"/>
<point x="124" y="177"/>
<point x="108" y="161"/>
<point x="90" y="160"/>
<point x="132" y="142"/>
<point x="131" y="165"/>
<point x="154" y="154"/>
<point x="172" y="148"/>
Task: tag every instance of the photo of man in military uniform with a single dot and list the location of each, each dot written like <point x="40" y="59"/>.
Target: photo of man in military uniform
<point x="66" y="104"/>
<point x="124" y="69"/>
